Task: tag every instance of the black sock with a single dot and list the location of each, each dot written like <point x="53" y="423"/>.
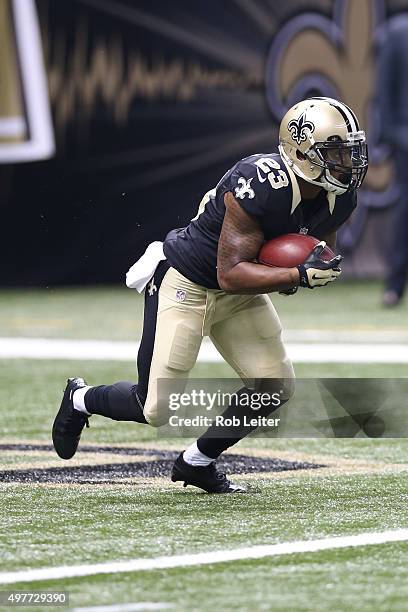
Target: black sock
<point x="218" y="438"/>
<point x="119" y="402"/>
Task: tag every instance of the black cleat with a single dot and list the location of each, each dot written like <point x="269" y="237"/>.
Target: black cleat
<point x="69" y="423"/>
<point x="207" y="478"/>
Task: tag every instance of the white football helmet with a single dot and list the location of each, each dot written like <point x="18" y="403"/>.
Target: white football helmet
<point x="321" y="141"/>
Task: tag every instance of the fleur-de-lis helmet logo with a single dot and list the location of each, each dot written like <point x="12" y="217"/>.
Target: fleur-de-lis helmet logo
<point x="300" y="127"/>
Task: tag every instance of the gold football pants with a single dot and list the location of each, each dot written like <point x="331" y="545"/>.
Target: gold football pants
<point x="245" y="329"/>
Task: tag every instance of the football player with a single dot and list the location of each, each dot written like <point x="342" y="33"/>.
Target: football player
<point x="207" y="283"/>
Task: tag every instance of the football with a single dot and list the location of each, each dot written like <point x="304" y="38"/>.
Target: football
<point x="290" y="250"/>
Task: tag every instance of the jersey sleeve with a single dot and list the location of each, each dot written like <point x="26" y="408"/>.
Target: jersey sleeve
<point x="247" y="190"/>
<point x="260" y="185"/>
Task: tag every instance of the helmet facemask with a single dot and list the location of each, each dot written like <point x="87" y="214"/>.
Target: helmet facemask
<point x="344" y="163"/>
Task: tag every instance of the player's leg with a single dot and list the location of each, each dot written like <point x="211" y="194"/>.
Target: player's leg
<point x="251" y="342"/>
<point x="180" y="321"/>
<point x="171" y="339"/>
<point x="249" y="338"/>
<point x="125" y="400"/>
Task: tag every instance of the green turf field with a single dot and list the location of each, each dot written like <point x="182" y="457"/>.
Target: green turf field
<point x="116" y="312"/>
<point x="50" y="522"/>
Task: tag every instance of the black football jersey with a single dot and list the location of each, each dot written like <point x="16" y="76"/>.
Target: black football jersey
<point x="265" y="188"/>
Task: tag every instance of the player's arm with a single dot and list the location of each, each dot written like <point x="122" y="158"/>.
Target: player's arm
<point x="240" y="240"/>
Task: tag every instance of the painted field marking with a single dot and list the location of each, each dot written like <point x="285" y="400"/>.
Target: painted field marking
<point x="101" y="350"/>
<point x="205" y="558"/>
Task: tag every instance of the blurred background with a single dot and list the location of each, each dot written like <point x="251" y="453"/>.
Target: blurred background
<point x="116" y="116"/>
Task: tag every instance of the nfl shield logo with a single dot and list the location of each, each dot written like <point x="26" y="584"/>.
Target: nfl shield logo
<point x="180" y="295"/>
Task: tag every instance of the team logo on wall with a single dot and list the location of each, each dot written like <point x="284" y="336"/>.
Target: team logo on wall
<point x="313" y="55"/>
<point x="299" y="128"/>
<point x="26" y="131"/>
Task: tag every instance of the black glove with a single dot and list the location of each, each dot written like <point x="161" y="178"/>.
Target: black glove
<point x="289" y="291"/>
<point x="315" y="272"/>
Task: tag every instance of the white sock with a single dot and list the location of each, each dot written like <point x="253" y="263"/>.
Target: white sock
<point x="194" y="456"/>
<point x="79" y="399"/>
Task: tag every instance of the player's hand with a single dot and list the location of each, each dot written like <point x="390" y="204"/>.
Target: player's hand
<point x="315" y="272"/>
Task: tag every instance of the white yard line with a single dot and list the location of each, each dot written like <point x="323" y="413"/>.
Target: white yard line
<point x="56" y="348"/>
<point x="205" y="558"/>
<point x="100" y="350"/>
<point x="352" y="334"/>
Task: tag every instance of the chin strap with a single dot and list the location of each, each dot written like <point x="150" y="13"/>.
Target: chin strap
<point x="329" y="187"/>
<point x="337" y="188"/>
